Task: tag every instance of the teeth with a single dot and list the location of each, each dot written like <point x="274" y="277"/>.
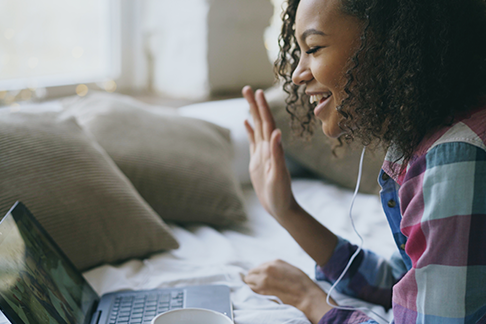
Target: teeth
<point x="317" y="98"/>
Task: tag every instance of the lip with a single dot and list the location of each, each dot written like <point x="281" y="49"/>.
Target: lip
<point x="321" y="105"/>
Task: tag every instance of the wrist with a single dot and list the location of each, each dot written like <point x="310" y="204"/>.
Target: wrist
<point x="314" y="306"/>
<point x="291" y="210"/>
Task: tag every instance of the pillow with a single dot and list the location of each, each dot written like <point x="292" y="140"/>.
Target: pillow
<point x="316" y="155"/>
<point x="75" y="191"/>
<point x="229" y="114"/>
<point x="181" y="166"/>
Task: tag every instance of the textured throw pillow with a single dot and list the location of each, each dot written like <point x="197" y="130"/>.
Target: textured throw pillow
<point x="316" y="154"/>
<point x="229" y="114"/>
<point x="181" y="166"/>
<point x="75" y="191"/>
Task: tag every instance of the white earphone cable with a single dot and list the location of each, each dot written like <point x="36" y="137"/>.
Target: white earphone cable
<point x="360" y="247"/>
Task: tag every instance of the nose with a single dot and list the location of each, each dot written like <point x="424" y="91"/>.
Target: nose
<point x="302" y="74"/>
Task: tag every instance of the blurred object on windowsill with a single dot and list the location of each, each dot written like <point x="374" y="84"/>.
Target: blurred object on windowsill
<point x="13" y="98"/>
<point x="158" y="100"/>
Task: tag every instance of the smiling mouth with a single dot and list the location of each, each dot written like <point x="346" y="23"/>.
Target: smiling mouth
<point x="322" y="101"/>
<point x="319" y="98"/>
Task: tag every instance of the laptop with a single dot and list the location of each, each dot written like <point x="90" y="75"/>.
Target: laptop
<point x="39" y="284"/>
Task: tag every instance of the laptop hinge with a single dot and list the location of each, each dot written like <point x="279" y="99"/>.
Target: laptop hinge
<point x="96" y="317"/>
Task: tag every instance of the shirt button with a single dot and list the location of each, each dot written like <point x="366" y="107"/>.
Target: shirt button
<point x="402" y="247"/>
<point x="385" y="176"/>
<point x="391" y="203"/>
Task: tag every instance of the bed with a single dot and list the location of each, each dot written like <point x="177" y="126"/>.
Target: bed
<point x="208" y="256"/>
<point x="213" y="255"/>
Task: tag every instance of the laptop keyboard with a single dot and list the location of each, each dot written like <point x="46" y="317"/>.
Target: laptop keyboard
<point x="142" y="308"/>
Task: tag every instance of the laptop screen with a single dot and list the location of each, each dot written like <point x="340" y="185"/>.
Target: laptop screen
<point x="38" y="284"/>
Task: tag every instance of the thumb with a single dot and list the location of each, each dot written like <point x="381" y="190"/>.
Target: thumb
<point x="278" y="157"/>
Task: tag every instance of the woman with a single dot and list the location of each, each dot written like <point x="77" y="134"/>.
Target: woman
<point x="411" y="76"/>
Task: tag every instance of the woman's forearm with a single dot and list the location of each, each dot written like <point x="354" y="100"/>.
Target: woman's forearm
<point x="318" y="241"/>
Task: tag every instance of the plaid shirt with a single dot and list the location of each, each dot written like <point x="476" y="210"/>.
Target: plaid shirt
<point x="436" y="209"/>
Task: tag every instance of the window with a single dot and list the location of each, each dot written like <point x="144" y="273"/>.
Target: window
<point x="273" y="31"/>
<point x="58" y="42"/>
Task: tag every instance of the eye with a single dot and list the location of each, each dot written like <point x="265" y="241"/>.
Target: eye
<point x="313" y="50"/>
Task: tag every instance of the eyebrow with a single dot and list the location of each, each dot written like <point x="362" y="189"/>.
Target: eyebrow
<point x="309" y="32"/>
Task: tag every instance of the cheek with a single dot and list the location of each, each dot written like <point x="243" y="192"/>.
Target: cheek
<point x="332" y="76"/>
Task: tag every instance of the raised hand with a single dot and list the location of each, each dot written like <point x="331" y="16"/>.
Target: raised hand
<point x="268" y="172"/>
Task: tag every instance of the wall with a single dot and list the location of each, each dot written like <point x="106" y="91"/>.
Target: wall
<point x="134" y="77"/>
<point x="200" y="48"/>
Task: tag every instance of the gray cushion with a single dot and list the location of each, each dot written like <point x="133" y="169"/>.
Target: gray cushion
<point x="181" y="166"/>
<point x="75" y="191"/>
<point x="316" y="154"/>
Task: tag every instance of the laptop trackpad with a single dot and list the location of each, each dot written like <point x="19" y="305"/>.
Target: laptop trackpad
<point x="214" y="297"/>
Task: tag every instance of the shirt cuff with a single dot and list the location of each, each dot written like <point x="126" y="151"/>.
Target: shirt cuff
<point x="346" y="317"/>
<point x="338" y="261"/>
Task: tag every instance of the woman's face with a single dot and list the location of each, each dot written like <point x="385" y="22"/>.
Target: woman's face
<point x="327" y="38"/>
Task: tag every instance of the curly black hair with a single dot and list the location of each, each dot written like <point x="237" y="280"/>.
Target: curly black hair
<point x="419" y="64"/>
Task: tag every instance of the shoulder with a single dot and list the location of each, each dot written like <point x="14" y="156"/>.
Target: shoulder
<point x="448" y="160"/>
<point x="464" y="140"/>
<point x="449" y="178"/>
<point x="468" y="128"/>
<point x="451" y="147"/>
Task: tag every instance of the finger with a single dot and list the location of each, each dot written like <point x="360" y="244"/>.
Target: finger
<point x="253" y="287"/>
<point x="276" y="144"/>
<point x="251" y="136"/>
<point x="251" y="279"/>
<point x="254" y="274"/>
<point x="255" y="114"/>
<point x="278" y="156"/>
<point x="255" y="271"/>
<point x="254" y="283"/>
<point x="268" y="123"/>
<point x="256" y="289"/>
<point x="247" y="278"/>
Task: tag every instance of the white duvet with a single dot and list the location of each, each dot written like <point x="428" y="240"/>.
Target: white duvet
<point x="209" y="256"/>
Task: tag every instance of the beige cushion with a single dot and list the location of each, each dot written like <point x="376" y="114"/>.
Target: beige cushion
<point x="316" y="154"/>
<point x="181" y="166"/>
<point x="75" y="191"/>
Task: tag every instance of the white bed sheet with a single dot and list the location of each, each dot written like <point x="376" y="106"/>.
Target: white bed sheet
<point x="209" y="256"/>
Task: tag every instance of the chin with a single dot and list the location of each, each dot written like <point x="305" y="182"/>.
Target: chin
<point x="331" y="132"/>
